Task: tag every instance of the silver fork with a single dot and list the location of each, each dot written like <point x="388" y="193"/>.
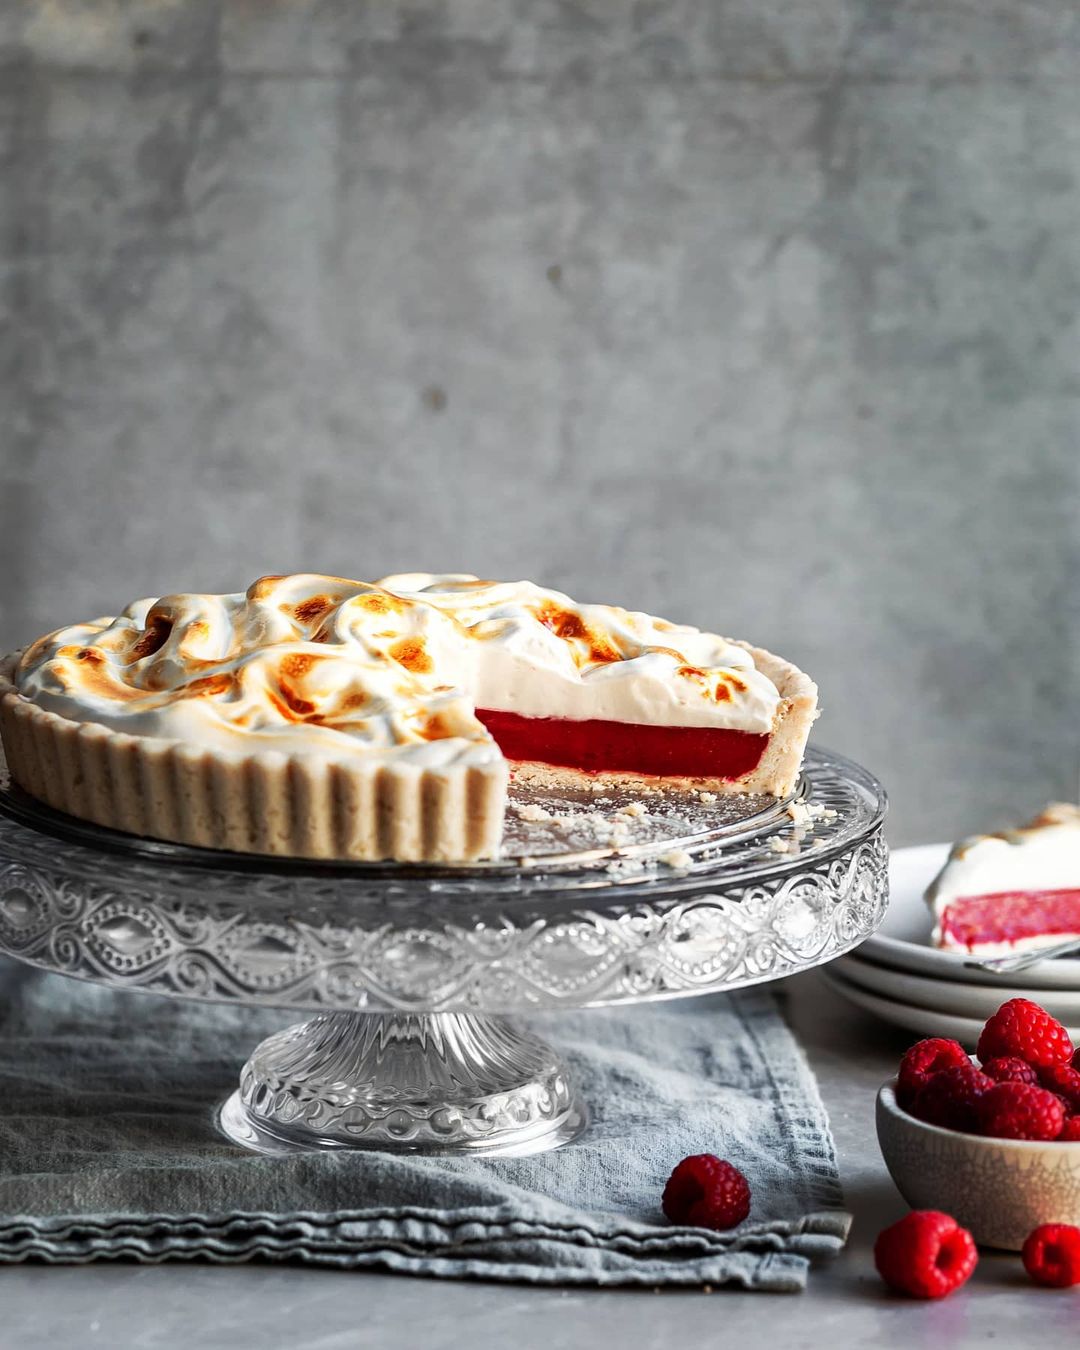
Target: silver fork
<point x="1008" y="965"/>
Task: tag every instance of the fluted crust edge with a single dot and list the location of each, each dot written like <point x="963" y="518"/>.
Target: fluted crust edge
<point x="267" y="802"/>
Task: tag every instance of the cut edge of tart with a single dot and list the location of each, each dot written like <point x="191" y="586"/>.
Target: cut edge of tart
<point x="773" y="772"/>
<point x="266" y="752"/>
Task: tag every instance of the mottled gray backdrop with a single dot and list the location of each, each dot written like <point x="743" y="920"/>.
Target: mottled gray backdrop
<point x="762" y="315"/>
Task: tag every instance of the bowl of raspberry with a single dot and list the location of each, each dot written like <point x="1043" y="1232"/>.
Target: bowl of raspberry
<point x="993" y="1140"/>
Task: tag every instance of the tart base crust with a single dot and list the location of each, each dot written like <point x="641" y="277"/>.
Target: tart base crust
<point x="299" y="807"/>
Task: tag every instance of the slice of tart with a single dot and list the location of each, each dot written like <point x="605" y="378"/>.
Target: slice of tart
<point x="314" y="716"/>
<point x="1012" y="891"/>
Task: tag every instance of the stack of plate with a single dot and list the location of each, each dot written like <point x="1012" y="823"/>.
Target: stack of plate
<point x="899" y="977"/>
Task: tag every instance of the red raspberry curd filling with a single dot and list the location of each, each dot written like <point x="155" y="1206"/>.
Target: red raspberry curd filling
<point x="597" y="746"/>
<point x="974" y="921"/>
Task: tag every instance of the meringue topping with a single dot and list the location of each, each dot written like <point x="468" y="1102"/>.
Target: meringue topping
<point x="326" y="665"/>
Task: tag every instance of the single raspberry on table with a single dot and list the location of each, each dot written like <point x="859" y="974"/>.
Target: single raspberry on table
<point x="1009" y="1069"/>
<point x="1020" y="1111"/>
<point x="1065" y="1081"/>
<point x="1051" y="1255"/>
<point x="951" y="1098"/>
<point x="921" y="1061"/>
<point x="706" y="1192"/>
<point x="926" y="1255"/>
<point x="1022" y="1028"/>
<point x="1070" y="1131"/>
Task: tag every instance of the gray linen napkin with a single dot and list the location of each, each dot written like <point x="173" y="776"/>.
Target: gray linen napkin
<point x="108" y="1150"/>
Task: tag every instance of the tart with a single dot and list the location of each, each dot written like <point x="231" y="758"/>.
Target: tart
<point x="313" y="716"/>
<point x="1016" y="890"/>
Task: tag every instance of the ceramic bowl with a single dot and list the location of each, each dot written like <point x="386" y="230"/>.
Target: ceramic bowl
<point x="998" y="1189"/>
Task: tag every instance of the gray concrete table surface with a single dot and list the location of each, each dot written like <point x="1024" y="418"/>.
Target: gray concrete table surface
<point x="845" y="1305"/>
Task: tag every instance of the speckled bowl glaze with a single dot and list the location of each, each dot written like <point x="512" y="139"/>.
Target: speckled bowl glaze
<point x="998" y="1189"/>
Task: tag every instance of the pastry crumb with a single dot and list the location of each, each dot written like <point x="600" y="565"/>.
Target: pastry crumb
<point x="624" y="866"/>
<point x="532" y="812"/>
<point x="632" y="809"/>
<point x="707" y="796"/>
<point x="677" y="858"/>
<point x="800" y="813"/>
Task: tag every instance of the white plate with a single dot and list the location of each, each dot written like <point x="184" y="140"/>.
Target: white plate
<point x="922" y="1021"/>
<point x="952" y="996"/>
<point x="903" y="940"/>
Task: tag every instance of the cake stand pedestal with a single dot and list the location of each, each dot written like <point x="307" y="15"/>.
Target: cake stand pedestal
<point x="609" y="897"/>
<point x="421" y="1081"/>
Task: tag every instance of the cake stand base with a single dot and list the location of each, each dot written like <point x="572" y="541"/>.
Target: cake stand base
<point x="406" y="1083"/>
<point x="611" y="899"/>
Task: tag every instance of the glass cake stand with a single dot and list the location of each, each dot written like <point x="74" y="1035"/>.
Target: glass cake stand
<point x="603" y="897"/>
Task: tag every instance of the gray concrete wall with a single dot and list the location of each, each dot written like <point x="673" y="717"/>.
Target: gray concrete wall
<point x="759" y="315"/>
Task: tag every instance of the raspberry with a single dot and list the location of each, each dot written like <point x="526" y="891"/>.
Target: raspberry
<point x="706" y="1192"/>
<point x="1070" y="1131"/>
<point x="923" y="1059"/>
<point x="927" y="1254"/>
<point x="1051" y="1255"/>
<point x="1065" y="1081"/>
<point x="1009" y="1069"/>
<point x="1022" y="1028"/>
<point x="1076" y="1058"/>
<point x="1020" y="1111"/>
<point x="951" y="1098"/>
